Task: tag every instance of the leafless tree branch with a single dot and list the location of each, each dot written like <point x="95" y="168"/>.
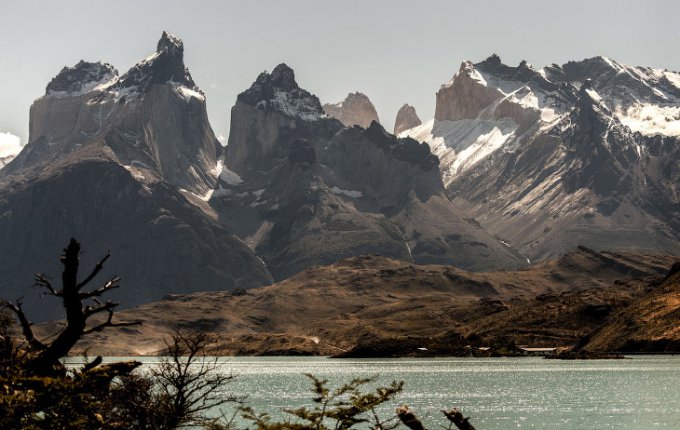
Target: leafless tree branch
<point x="97" y="268"/>
<point x="43" y="281"/>
<point x="91" y="310"/>
<point x="108" y="307"/>
<point x="26" y="329"/>
<point x="110" y="285"/>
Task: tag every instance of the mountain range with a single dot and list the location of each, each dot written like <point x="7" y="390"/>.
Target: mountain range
<point x="580" y="154"/>
<point x="518" y="166"/>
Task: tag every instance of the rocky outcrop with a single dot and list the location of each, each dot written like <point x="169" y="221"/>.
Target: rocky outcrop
<point x="407" y="118"/>
<point x="356" y="109"/>
<point x="549" y="159"/>
<point x="122" y="163"/>
<point x="302" y="189"/>
<point x="464" y="96"/>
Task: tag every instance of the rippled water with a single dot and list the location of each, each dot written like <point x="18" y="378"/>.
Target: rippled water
<point x="497" y="393"/>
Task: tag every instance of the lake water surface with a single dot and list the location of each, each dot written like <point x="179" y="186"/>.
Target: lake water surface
<point x="496" y="393"/>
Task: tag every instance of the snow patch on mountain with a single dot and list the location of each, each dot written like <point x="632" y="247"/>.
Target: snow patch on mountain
<point x="349" y="193"/>
<point x="100" y="85"/>
<point x="650" y="119"/>
<point x="463" y="143"/>
<point x="484" y="145"/>
<point x="594" y="95"/>
<point x="82" y="78"/>
<point x="187" y="93"/>
<point x="673" y="78"/>
<point x="303" y="108"/>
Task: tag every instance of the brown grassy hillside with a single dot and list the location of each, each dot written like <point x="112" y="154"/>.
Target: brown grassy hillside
<point x="329" y="309"/>
<point x="650" y="324"/>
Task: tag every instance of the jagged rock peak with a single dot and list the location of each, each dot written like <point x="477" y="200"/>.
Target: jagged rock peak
<point x="170" y="43"/>
<point x="277" y="91"/>
<point x="493" y="59"/>
<point x="599" y="62"/>
<point x="407" y="118"/>
<point x="283" y="77"/>
<point x="164" y="66"/>
<point x="81" y="78"/>
<point x="494" y="66"/>
<point x="356" y="109"/>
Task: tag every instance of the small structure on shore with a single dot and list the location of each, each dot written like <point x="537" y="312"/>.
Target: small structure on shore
<point x="540" y="352"/>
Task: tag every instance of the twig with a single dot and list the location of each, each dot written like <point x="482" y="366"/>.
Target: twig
<point x="97" y="268"/>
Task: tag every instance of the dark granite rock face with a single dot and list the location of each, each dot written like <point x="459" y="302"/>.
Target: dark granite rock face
<point x="407" y="118"/>
<point x="302" y="152"/>
<point x="283" y="78"/>
<point x="160" y="243"/>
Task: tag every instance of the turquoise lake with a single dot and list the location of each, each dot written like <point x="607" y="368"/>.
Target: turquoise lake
<point x="496" y="393"/>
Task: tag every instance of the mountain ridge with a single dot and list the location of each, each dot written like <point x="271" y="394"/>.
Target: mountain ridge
<point x="547" y="159"/>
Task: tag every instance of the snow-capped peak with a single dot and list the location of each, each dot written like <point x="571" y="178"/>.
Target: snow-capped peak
<point x="490" y="108"/>
<point x="278" y="91"/>
<point x="164" y="66"/>
<point x="81" y="79"/>
<point x="169" y="42"/>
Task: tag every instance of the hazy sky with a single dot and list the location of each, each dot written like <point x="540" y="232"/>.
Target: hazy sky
<point x="393" y="51"/>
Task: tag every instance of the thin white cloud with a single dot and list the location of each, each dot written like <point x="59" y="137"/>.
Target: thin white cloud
<point x="9" y="144"/>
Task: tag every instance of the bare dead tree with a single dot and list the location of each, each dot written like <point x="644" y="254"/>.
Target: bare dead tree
<point x="188" y="380"/>
<point x="43" y="358"/>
